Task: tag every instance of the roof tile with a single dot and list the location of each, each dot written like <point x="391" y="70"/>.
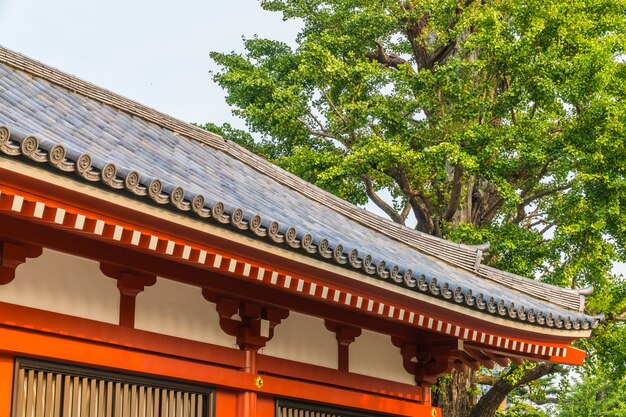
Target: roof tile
<point x="112" y="129"/>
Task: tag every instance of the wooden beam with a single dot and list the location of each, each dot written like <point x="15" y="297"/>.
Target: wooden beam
<point x="93" y="353"/>
<point x="499" y="359"/>
<point x="467" y="359"/>
<point x="63" y="325"/>
<point x="480" y="357"/>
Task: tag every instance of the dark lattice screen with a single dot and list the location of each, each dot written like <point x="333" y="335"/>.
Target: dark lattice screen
<point x="49" y="390"/>
<point x="285" y="408"/>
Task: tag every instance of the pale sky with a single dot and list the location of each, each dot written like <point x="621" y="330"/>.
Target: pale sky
<point x="153" y="51"/>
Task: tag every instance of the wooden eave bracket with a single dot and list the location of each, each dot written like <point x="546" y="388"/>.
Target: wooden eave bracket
<point x="345" y="335"/>
<point x="428" y="361"/>
<point x="129" y="283"/>
<point x="255" y="324"/>
<point x="13" y="255"/>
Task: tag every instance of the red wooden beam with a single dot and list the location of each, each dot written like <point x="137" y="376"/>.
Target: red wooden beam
<point x="345" y="336"/>
<point x="81" y="352"/>
<point x="64" y="326"/>
<point x="125" y="216"/>
<point x="398" y="314"/>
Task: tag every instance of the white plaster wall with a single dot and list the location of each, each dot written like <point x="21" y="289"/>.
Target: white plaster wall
<point x="176" y="309"/>
<point x="373" y="354"/>
<point x="64" y="284"/>
<point x="305" y="339"/>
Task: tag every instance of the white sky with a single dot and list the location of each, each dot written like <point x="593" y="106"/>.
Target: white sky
<point x="153" y="51"/>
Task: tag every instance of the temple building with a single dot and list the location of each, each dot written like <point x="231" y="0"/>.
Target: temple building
<point x="151" y="268"/>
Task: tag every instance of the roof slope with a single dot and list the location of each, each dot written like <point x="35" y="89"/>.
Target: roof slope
<point x="77" y="127"/>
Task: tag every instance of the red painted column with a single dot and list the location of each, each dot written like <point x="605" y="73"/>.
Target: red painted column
<point x="253" y="329"/>
<point x="247" y="400"/>
<point x="345" y="335"/>
<point x="6" y="383"/>
<point x="130" y="284"/>
<point x="426" y="395"/>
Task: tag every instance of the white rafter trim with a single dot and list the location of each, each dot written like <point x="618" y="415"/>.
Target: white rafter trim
<point x="105" y="229"/>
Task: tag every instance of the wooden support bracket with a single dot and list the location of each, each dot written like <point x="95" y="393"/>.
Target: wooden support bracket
<point x="503" y="361"/>
<point x="13" y="255"/>
<point x="345" y="335"/>
<point x="129" y="283"/>
<point x="427" y="361"/>
<point x="255" y="324"/>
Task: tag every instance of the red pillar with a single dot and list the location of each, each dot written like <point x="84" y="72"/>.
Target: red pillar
<point x="247" y="400"/>
<point x="6" y="383"/>
<point x="130" y="284"/>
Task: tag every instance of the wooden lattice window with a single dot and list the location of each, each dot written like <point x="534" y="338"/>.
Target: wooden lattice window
<point x="287" y="408"/>
<point x="50" y="390"/>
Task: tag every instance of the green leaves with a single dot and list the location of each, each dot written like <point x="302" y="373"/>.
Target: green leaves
<point x="525" y="99"/>
<point x="484" y="121"/>
<point x="596" y="395"/>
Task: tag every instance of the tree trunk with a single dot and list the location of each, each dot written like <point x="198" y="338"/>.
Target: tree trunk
<point x="489" y="403"/>
<point x="455" y="394"/>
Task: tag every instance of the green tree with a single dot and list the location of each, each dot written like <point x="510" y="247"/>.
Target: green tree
<point x="475" y="120"/>
<point x="596" y="395"/>
<point x="597" y="389"/>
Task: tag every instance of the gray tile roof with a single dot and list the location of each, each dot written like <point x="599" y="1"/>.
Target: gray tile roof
<point x="77" y="127"/>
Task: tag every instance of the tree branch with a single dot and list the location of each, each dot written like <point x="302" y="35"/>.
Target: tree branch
<point x="369" y="189"/>
<point x="520" y="215"/>
<point x="422" y="214"/>
<point x="538" y="222"/>
<point x="534" y="179"/>
<point x="335" y="109"/>
<point x="455" y="195"/>
<point x="548" y="226"/>
<point x="546" y="192"/>
<point x="315" y="132"/>
<point x="486" y="379"/>
<point x="489" y="212"/>
<point x="388" y="60"/>
<point x="405" y="210"/>
<point x="547" y="400"/>
<point x="319" y="123"/>
<point x="424" y="220"/>
<point x="424" y="59"/>
<point x="488" y="404"/>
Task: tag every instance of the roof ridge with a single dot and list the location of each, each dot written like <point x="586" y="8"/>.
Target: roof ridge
<point x="566" y="297"/>
<point x="463" y="256"/>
